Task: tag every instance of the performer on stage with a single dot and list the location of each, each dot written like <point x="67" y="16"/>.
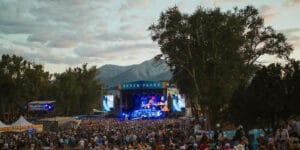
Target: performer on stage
<point x="151" y="104"/>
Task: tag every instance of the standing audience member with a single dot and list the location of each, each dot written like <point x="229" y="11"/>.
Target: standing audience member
<point x="282" y="138"/>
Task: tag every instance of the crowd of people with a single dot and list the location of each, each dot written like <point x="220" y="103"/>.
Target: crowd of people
<point x="163" y="134"/>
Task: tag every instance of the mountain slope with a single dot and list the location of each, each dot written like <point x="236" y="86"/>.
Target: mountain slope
<point x="109" y="71"/>
<point x="111" y="75"/>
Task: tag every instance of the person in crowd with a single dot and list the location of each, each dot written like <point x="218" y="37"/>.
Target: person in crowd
<point x="113" y="134"/>
<point x="270" y="144"/>
<point x="282" y="138"/>
<point x="227" y="146"/>
<point x="294" y="127"/>
<point x="239" y="134"/>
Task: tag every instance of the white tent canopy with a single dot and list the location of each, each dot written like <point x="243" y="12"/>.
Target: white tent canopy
<point x="2" y="124"/>
<point x="21" y="122"/>
<point x="20" y="125"/>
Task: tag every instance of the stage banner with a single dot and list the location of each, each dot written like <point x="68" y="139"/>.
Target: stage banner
<point x="142" y="85"/>
<point x="38" y="127"/>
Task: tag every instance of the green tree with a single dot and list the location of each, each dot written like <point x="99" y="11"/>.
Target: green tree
<point x="211" y="52"/>
<point x="21" y="81"/>
<point x="257" y="104"/>
<point x="76" y="90"/>
<point x="272" y="97"/>
<point x="292" y="87"/>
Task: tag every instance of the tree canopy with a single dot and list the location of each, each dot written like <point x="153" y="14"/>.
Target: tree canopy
<point x="22" y="81"/>
<point x="77" y="90"/>
<point x="270" y="98"/>
<point x="212" y="52"/>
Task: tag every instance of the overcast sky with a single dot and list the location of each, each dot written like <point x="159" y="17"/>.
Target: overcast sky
<point x="68" y="33"/>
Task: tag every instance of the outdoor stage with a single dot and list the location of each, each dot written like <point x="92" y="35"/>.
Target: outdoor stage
<point x="143" y="99"/>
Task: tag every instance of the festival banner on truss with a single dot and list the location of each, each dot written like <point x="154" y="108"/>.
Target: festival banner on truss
<point x="38" y="127"/>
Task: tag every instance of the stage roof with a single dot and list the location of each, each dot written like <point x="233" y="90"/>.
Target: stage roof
<point x="142" y="85"/>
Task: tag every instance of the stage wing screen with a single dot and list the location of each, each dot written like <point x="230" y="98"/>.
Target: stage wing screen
<point x="108" y="102"/>
<point x="178" y="102"/>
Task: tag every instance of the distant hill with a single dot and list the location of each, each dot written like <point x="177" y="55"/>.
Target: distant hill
<point x="111" y="75"/>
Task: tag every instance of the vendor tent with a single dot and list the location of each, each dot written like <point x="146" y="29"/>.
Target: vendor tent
<point x="21" y="122"/>
<point x="21" y="125"/>
<point x="2" y="124"/>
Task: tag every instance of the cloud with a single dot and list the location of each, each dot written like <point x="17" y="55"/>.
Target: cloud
<point x="129" y="47"/>
<point x="268" y="12"/>
<point x="114" y="50"/>
<point x="126" y="27"/>
<point x="40" y="54"/>
<point x="5" y="50"/>
<point x="290" y="31"/>
<point x="218" y="2"/>
<point x="135" y="22"/>
<point x="46" y="20"/>
<point x="291" y="3"/>
<point x="129" y="4"/>
<point x="87" y="51"/>
<point x="295" y="41"/>
<point x="58" y="43"/>
<point x="293" y="38"/>
<point x="97" y="31"/>
<point x="118" y="54"/>
<point x="56" y="40"/>
<point x="70" y="32"/>
<point x="120" y="36"/>
<point x="234" y="0"/>
<point x="52" y="29"/>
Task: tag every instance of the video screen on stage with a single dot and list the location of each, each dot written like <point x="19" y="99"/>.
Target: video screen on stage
<point x="178" y="102"/>
<point x="108" y="102"/>
<point x="151" y="101"/>
<point x="158" y="102"/>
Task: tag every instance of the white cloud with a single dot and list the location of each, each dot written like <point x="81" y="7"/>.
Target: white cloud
<point x="291" y="3"/>
<point x="56" y="30"/>
<point x="112" y="51"/>
<point x="120" y="36"/>
<point x="268" y="12"/>
<point x="142" y="4"/>
<point x="293" y="36"/>
<point x="69" y="32"/>
<point x="218" y="3"/>
<point x="290" y="31"/>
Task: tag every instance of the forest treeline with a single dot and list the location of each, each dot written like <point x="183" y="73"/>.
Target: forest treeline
<point x="75" y="91"/>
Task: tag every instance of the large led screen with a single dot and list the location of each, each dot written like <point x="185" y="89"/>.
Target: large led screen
<point x="108" y="102"/>
<point x="158" y="102"/>
<point x="178" y="101"/>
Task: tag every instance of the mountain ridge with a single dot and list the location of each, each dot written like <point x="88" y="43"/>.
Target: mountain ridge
<point x="154" y="70"/>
